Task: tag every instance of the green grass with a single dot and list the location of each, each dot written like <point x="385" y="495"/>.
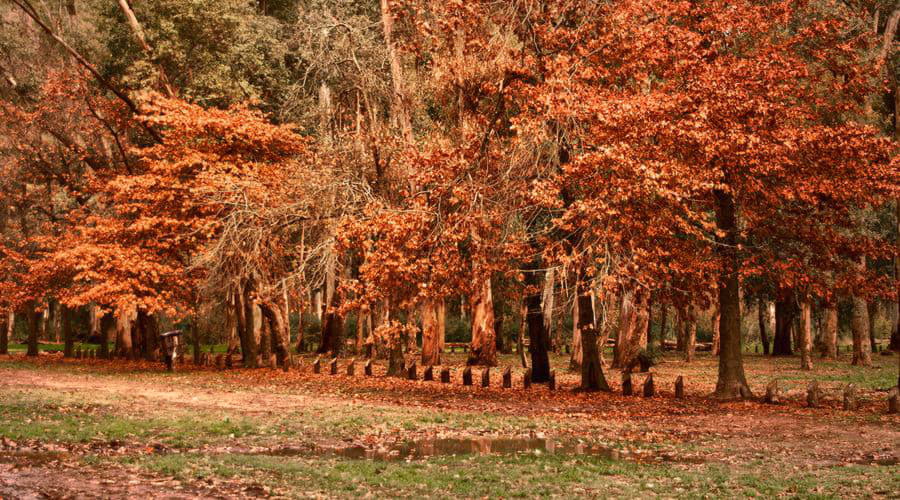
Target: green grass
<point x="27" y="416"/>
<point x="19" y="348"/>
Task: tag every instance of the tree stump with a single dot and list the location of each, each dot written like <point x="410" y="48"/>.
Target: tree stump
<point x="229" y="361"/>
<point x="288" y="363"/>
<point x="894" y="400"/>
<point x="428" y="376"/>
<point x="526" y="379"/>
<point x="317" y="366"/>
<point x="332" y="366"/>
<point x="551" y="384"/>
<point x="679" y="387"/>
<point x="445" y="375"/>
<point x="850" y="400"/>
<point x="486" y="377"/>
<point x="649" y="387"/>
<point x="367" y="369"/>
<point x="467" y="376"/>
<point x="351" y="368"/>
<point x="220" y="362"/>
<point x="627" y="387"/>
<point x="773" y="393"/>
<point x="411" y="371"/>
<point x="507" y="378"/>
<point x="813" y="394"/>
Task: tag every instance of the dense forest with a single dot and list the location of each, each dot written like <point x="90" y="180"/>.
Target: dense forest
<point x="386" y="178"/>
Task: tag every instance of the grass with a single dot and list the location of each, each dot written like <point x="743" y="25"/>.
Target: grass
<point x="520" y="476"/>
<point x="20" y="348"/>
<point x="30" y="416"/>
<point x="302" y="417"/>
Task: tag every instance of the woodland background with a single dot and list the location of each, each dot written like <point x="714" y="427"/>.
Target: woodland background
<point x="385" y="178"/>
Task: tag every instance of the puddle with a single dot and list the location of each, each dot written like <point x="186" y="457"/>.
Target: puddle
<point x="412" y="450"/>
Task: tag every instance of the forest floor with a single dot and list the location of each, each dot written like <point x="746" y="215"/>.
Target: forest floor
<point x="117" y="429"/>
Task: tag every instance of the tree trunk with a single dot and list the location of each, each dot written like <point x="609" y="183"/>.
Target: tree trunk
<point x="830" y="332"/>
<point x="632" y="326"/>
<point x="592" y="376"/>
<point x="679" y="331"/>
<point x="715" y="330"/>
<point x="872" y="314"/>
<point x="732" y="382"/>
<point x="859" y="326"/>
<point x="805" y="334"/>
<point x="97" y="322"/>
<point x="577" y="350"/>
<point x="483" y="349"/>
<point x="399" y="106"/>
<point x="197" y="346"/>
<point x="5" y="333"/>
<point x="273" y="313"/>
<point x="431" y="337"/>
<point x="68" y="338"/>
<point x="244" y="306"/>
<point x="361" y="319"/>
<point x="548" y="297"/>
<point x="538" y="336"/>
<point x="124" y="341"/>
<point x="690" y="334"/>
<point x="762" y="318"/>
<point x="523" y="325"/>
<point x="784" y="320"/>
<point x="33" y="328"/>
<point x="663" y="327"/>
<point x="149" y="326"/>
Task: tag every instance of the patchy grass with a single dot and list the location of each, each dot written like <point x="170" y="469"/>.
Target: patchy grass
<point x="206" y="418"/>
<point x="524" y="475"/>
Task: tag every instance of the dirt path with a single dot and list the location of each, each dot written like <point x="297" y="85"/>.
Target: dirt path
<point x="40" y="475"/>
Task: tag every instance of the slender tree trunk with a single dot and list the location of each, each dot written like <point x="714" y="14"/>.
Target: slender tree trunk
<point x="784" y="320"/>
<point x="97" y="320"/>
<point x="247" y="326"/>
<point x="523" y="325"/>
<point x="679" y="331"/>
<point x="715" y="330"/>
<point x="732" y="382"/>
<point x="68" y="338"/>
<point x="33" y="328"/>
<point x="690" y="334"/>
<point x="830" y="332"/>
<point x="5" y="333"/>
<point x="431" y="338"/>
<point x="538" y="336"/>
<point x="196" y="346"/>
<point x="663" y="326"/>
<point x="577" y="349"/>
<point x="872" y="314"/>
<point x="806" y="334"/>
<point x="763" y="320"/>
<point x="859" y="326"/>
<point x="483" y="349"/>
<point x="548" y="305"/>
